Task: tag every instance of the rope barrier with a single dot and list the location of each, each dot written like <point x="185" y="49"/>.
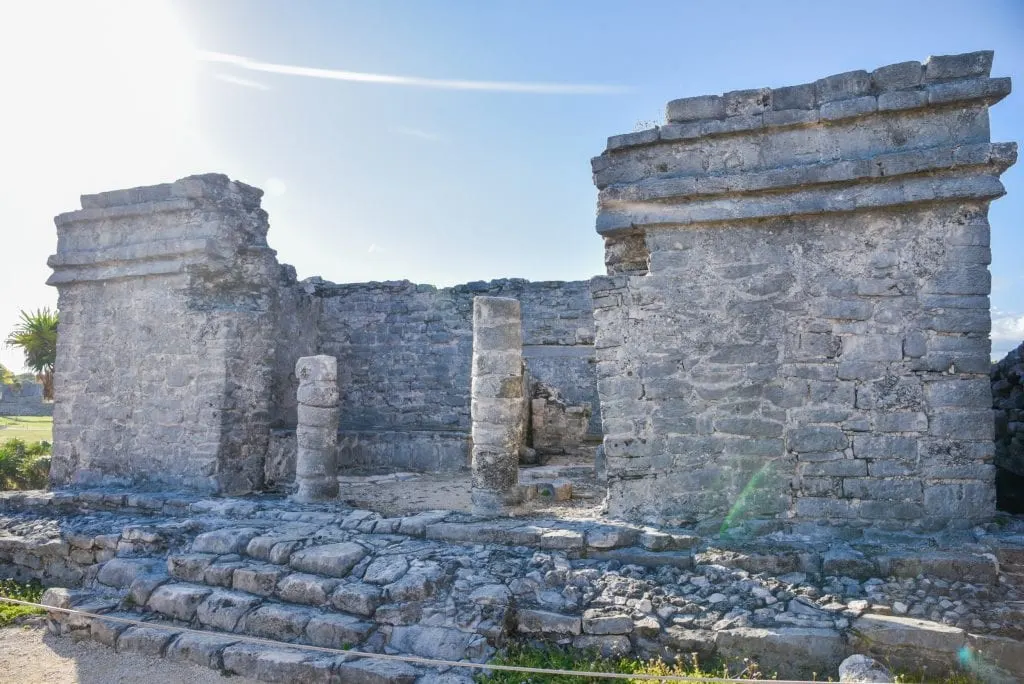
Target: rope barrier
<point x="432" y="662"/>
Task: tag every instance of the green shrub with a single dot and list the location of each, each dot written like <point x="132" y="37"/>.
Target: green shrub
<point x="24" y="466"/>
<point x="30" y="591"/>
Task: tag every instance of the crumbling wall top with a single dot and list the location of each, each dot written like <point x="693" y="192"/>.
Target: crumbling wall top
<point x="905" y="133"/>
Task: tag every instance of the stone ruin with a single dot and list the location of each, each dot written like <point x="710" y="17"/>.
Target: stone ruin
<point x="786" y="367"/>
<point x="1008" y="401"/>
<point x="24" y="399"/>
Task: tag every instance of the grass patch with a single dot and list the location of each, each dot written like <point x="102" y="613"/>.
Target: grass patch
<point x="554" y="658"/>
<point x="26" y="428"/>
<point x="23" y="591"/>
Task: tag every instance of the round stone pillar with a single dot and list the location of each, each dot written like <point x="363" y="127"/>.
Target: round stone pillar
<point x="498" y="405"/>
<point x="316" y="470"/>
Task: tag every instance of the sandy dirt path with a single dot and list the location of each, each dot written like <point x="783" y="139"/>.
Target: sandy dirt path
<point x="29" y="655"/>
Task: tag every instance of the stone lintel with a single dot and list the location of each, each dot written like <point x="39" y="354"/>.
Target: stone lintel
<point x="804" y="200"/>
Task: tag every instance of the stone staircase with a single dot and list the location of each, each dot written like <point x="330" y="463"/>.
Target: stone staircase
<point x="308" y="584"/>
<point x="448" y="586"/>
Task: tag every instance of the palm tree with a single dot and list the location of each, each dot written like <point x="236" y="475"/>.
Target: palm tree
<point x="37" y="337"/>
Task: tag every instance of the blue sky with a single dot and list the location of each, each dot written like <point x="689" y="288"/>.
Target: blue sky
<point x="378" y="181"/>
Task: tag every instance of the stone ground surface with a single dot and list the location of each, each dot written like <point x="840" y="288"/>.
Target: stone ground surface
<point x="29" y="655"/>
<point x="407" y="493"/>
<point x="448" y="585"/>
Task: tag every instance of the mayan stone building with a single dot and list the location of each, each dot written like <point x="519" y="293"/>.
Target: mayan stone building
<point x="795" y="319"/>
<point x="793" y="327"/>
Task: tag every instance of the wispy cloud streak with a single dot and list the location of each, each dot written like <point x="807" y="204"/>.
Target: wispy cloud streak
<point x="417" y="133"/>
<point x="414" y="81"/>
<point x="244" y="82"/>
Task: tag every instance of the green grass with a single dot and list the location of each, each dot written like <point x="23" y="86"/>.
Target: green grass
<point x="553" y="658"/>
<point x="31" y="591"/>
<point x="27" y="428"/>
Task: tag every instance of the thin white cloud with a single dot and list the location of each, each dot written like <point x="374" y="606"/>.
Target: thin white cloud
<point x="1008" y="329"/>
<point x="417" y="133"/>
<point x="415" y="81"/>
<point x="244" y="82"/>
<point x="375" y="249"/>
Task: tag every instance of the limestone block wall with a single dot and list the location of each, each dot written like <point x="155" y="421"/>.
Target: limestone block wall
<point x="168" y="299"/>
<point x="23" y="400"/>
<point x="795" y="322"/>
<point x="404" y="355"/>
<point x="1008" y="400"/>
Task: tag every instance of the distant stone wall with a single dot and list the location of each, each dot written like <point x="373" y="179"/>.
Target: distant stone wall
<point x="404" y="354"/>
<point x="23" y="400"/>
<point x="795" y="322"/>
<point x="1008" y="400"/>
<point x="167" y="297"/>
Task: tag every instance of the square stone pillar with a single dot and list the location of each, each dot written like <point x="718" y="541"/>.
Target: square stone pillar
<point x="794" y="326"/>
<point x="498" y="402"/>
<point x="167" y="299"/>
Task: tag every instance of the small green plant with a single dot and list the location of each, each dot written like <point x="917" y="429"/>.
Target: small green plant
<point x="554" y="658"/>
<point x="24" y="466"/>
<point x="23" y="591"/>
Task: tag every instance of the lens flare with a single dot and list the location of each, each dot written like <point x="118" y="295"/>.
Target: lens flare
<point x="745" y="497"/>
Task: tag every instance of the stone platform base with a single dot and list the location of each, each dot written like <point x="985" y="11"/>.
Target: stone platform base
<point x="445" y="585"/>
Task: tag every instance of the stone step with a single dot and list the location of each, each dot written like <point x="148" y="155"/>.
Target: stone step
<point x="223" y="652"/>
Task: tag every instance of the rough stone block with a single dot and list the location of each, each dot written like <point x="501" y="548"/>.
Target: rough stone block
<point x="260" y="579"/>
<point x="962" y="501"/>
<point x="121" y="572"/>
<point x="357" y="598"/>
<point x="337" y="631"/>
<point x="226" y="540"/>
<point x="817" y="438"/>
<point x="440" y="643"/>
<point x="311" y="590"/>
<point x="148" y="641"/>
<point x="223" y="609"/>
<point x="846" y="109"/>
<point x="843" y="86"/>
<point x="695" y="108"/>
<point x="789" y="651"/>
<point x="276" y="621"/>
<point x="793" y="97"/>
<point x="897" y="76"/>
<point x="545" y="622"/>
<point x="198" y="649"/>
<point x="968" y="65"/>
<point x="333" y="560"/>
<point x="178" y="601"/>
<point x="599" y="622"/>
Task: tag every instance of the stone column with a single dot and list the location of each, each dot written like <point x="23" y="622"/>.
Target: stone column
<point x="498" y="402"/>
<point x="317" y="432"/>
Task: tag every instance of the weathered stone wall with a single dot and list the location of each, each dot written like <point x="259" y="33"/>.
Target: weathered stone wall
<point x="1008" y="400"/>
<point x="795" y="322"/>
<point x="297" y="336"/>
<point x="404" y="355"/>
<point x="23" y="400"/>
<point x="165" y="355"/>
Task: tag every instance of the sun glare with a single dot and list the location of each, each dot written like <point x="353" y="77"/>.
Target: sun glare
<point x="100" y="94"/>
